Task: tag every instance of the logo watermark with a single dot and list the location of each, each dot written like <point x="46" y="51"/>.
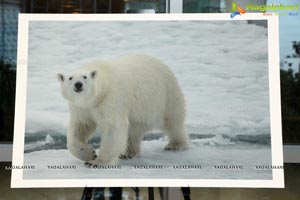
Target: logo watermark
<point x="276" y="9"/>
<point x="236" y="9"/>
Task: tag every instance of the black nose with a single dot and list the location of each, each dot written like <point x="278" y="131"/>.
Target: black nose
<point x="78" y="85"/>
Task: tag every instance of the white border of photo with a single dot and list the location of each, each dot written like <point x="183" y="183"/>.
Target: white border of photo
<point x="17" y="180"/>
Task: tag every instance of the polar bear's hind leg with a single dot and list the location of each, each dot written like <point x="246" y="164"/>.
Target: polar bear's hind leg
<point x="174" y="121"/>
<point x="178" y="139"/>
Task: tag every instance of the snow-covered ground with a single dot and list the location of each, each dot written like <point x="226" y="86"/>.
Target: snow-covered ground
<point x="221" y="66"/>
<point x="206" y="156"/>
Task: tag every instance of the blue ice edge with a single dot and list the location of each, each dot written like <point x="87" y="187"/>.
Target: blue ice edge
<point x="60" y="139"/>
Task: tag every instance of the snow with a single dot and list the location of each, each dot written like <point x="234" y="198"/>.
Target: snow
<point x="205" y="156"/>
<point x="221" y="66"/>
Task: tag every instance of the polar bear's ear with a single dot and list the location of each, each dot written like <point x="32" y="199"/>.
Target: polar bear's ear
<point x="60" y="77"/>
<point x="93" y="74"/>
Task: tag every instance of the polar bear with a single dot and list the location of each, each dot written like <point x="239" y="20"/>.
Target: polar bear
<point x="124" y="98"/>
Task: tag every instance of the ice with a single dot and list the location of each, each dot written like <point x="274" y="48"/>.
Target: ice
<point x="217" y="140"/>
<point x="49" y="140"/>
<point x="153" y="154"/>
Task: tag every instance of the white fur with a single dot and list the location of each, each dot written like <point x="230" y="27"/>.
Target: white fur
<point x="124" y="98"/>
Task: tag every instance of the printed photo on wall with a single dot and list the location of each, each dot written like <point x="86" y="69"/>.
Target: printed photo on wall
<point x="148" y="100"/>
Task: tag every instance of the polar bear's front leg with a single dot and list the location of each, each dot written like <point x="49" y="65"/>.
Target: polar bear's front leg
<point x="113" y="143"/>
<point x="135" y="135"/>
<point x="77" y="138"/>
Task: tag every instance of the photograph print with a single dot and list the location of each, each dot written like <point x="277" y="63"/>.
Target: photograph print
<point x="172" y="100"/>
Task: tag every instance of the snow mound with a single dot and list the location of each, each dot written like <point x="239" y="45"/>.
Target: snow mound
<point x="49" y="140"/>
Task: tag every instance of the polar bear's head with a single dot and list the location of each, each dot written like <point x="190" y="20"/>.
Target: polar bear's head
<point x="78" y="87"/>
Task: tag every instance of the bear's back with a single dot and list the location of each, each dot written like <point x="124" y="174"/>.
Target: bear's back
<point x="151" y="87"/>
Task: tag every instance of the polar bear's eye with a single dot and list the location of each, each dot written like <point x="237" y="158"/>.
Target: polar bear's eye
<point x="84" y="77"/>
<point x="70" y="78"/>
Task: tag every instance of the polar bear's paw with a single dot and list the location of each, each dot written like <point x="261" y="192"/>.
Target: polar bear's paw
<point x="98" y="162"/>
<point x="174" y="146"/>
<point x="87" y="153"/>
<point x="127" y="156"/>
